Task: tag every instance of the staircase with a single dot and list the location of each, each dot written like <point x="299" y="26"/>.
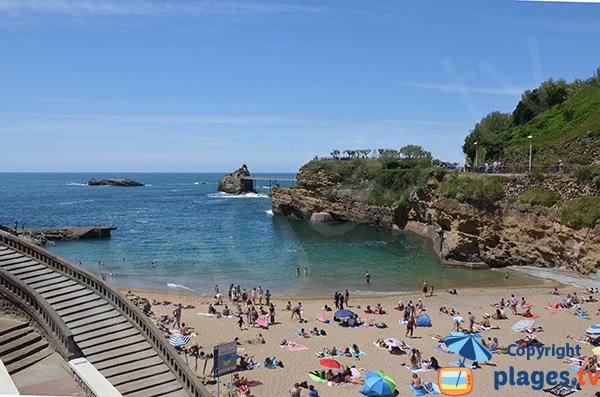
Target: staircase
<point x="106" y="337"/>
<point x="21" y="346"/>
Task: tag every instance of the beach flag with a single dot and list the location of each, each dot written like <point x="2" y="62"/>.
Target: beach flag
<point x="455" y="381"/>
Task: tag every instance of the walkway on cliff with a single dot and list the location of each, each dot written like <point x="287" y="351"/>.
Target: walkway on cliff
<point x="105" y="327"/>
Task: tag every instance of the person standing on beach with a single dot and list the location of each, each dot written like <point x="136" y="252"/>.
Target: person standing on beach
<point x="177" y="316"/>
<point x="341" y="301"/>
<point x="297" y="311"/>
<point x="425" y="287"/>
<point x="260" y="295"/>
<point x="267" y="297"/>
<point x="471" y="322"/>
<point x="410" y="326"/>
<point x="336" y="300"/>
<point x="346" y="297"/>
<point x="368" y="277"/>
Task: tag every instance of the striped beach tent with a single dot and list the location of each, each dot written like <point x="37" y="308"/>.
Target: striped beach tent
<point x="178" y="340"/>
<point x="593" y="331"/>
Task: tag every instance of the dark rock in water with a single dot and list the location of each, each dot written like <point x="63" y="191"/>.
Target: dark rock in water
<point x="234" y="184"/>
<point x="114" y="182"/>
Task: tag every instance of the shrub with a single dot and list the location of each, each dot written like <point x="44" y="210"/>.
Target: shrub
<point x="581" y="212"/>
<point x="481" y="190"/>
<point x="588" y="174"/>
<point x="541" y="196"/>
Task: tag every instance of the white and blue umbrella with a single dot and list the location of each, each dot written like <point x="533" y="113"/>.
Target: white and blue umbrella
<point x="178" y="340"/>
<point x="468" y="347"/>
<point x="593" y="331"/>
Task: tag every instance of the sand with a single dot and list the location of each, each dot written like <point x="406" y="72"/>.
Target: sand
<point x="277" y="382"/>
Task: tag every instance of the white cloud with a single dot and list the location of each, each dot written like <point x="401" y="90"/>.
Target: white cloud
<point x="124" y="8"/>
<point x="509" y="90"/>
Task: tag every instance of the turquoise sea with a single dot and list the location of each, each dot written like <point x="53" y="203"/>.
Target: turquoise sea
<point x="199" y="237"/>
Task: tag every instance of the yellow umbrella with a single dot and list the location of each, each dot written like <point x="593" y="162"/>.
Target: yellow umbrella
<point x="596" y="350"/>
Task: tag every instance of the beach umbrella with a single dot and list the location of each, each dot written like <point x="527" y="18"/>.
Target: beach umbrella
<point x="593" y="331"/>
<point x="519" y="326"/>
<point x="378" y="384"/>
<point x="344" y="313"/>
<point x="330" y="363"/>
<point x="178" y="340"/>
<point x="468" y="347"/>
<point x="596" y="350"/>
<point x="394" y="342"/>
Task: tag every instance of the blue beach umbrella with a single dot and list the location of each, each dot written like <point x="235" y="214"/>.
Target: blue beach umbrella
<point x="344" y="313"/>
<point x="593" y="331"/>
<point x="178" y="340"/>
<point x="378" y="384"/>
<point x="468" y="347"/>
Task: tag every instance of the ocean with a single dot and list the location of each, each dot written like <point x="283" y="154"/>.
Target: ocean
<point x="198" y="237"/>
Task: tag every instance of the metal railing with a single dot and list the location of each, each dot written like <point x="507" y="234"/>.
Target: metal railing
<point x="176" y="364"/>
<point x="36" y="307"/>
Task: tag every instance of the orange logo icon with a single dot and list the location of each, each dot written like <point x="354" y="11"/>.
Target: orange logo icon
<point x="455" y="381"/>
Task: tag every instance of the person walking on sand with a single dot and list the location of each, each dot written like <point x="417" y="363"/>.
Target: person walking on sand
<point x="177" y="316"/>
<point x="410" y="326"/>
<point x="368" y="277"/>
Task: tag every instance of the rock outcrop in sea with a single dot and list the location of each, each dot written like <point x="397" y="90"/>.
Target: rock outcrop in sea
<point x="114" y="182"/>
<point x="234" y="184"/>
<point x="507" y="233"/>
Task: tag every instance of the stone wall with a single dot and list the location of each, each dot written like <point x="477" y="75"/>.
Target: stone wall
<point x="565" y="185"/>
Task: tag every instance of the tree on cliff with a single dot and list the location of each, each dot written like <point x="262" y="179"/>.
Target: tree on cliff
<point x="415" y="152"/>
<point x="335" y="153"/>
<point x="490" y="134"/>
<point x="549" y="93"/>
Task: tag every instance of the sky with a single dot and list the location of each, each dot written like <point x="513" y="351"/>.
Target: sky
<point x="204" y="86"/>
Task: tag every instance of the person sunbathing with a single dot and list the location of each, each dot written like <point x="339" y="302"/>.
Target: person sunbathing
<point x="239" y="380"/>
<point x="211" y="309"/>
<point x="416" y="382"/>
<point x="379" y="309"/>
<point x="184" y="330"/>
<point x="226" y="312"/>
<point x="303" y="333"/>
<point x="527" y="313"/>
<point x="500" y="315"/>
<point x="485" y="322"/>
<point x="400" y="306"/>
<point x="381" y="344"/>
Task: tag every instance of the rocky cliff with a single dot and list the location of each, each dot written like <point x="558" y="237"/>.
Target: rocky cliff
<point x="464" y="235"/>
<point x="234" y="184"/>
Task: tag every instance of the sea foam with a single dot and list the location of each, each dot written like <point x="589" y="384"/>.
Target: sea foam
<point x="227" y="195"/>
<point x="173" y="285"/>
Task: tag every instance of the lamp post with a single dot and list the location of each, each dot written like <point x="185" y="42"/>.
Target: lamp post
<point x="530" y="137"/>
<point x="476" y="152"/>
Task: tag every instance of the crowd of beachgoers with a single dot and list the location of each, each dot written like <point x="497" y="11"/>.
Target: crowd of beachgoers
<point x="319" y="346"/>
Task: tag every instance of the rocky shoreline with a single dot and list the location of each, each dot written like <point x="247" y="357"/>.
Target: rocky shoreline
<point x="507" y="234"/>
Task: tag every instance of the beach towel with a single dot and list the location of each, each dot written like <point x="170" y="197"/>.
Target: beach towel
<point x="402" y="321"/>
<point x="293" y="346"/>
<point x="316" y="378"/>
<point x="435" y="389"/>
<point x="561" y="391"/>
<point x="415" y="370"/>
<point x="554" y="308"/>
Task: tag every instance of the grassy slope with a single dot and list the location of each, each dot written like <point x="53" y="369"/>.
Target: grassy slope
<point x="564" y="132"/>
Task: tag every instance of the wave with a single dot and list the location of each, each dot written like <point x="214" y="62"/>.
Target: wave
<point x="202" y="183"/>
<point x="561" y="275"/>
<point x="227" y="195"/>
<point x="75" y="202"/>
<point x="75" y="184"/>
<point x="269" y="212"/>
<point x="173" y="285"/>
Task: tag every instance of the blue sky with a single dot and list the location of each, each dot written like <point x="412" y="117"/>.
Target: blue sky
<point x="122" y="85"/>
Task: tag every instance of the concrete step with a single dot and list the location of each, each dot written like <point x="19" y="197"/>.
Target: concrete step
<point x="99" y="325"/>
<point x="176" y="393"/>
<point x="25" y="267"/>
<point x="61" y="291"/>
<point x="70" y="296"/>
<point x="24" y="352"/>
<point x="76" y="302"/>
<point x="100" y="333"/>
<point x="10" y="255"/>
<point x="73" y="325"/>
<point x="142" y="373"/>
<point x="132" y="357"/>
<point x="19" y="263"/>
<point x="21" y="341"/>
<point x="117" y="344"/>
<point x="41" y="272"/>
<point x="54" y="287"/>
<point x="150" y="387"/>
<point x="126" y="352"/>
<point x="128" y="367"/>
<point x="82" y="308"/>
<point x="109" y="337"/>
<point x="29" y="360"/>
<point x="47" y="281"/>
<point x="12" y="328"/>
<point x="91" y="312"/>
<point x="55" y="277"/>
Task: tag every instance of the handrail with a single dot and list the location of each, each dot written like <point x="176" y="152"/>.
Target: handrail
<point x="178" y="367"/>
<point x="32" y="303"/>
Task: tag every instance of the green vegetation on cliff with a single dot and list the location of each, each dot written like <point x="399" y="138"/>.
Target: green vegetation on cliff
<point x="562" y="118"/>
<point x="480" y="190"/>
<point x="581" y="212"/>
<point x="541" y="196"/>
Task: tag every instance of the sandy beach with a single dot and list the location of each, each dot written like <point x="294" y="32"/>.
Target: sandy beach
<point x="557" y="325"/>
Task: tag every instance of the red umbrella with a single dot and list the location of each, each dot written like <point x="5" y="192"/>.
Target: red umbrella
<point x="330" y="363"/>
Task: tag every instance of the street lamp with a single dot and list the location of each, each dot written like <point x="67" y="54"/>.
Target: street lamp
<point x="530" y="137"/>
<point x="475" y="165"/>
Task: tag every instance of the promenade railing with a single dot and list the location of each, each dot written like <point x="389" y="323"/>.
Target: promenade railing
<point x="166" y="352"/>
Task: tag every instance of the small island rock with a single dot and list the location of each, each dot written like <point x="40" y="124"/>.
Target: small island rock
<point x="114" y="182"/>
<point x="234" y="184"/>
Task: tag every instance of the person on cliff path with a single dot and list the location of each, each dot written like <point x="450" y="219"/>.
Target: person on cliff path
<point x="368" y="277"/>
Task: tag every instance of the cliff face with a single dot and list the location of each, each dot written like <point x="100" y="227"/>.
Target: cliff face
<point x="234" y="184"/>
<point x="502" y="235"/>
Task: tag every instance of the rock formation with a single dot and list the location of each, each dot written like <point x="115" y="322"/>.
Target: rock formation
<point x="114" y="182"/>
<point x="234" y="184"/>
<point x="462" y="234"/>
